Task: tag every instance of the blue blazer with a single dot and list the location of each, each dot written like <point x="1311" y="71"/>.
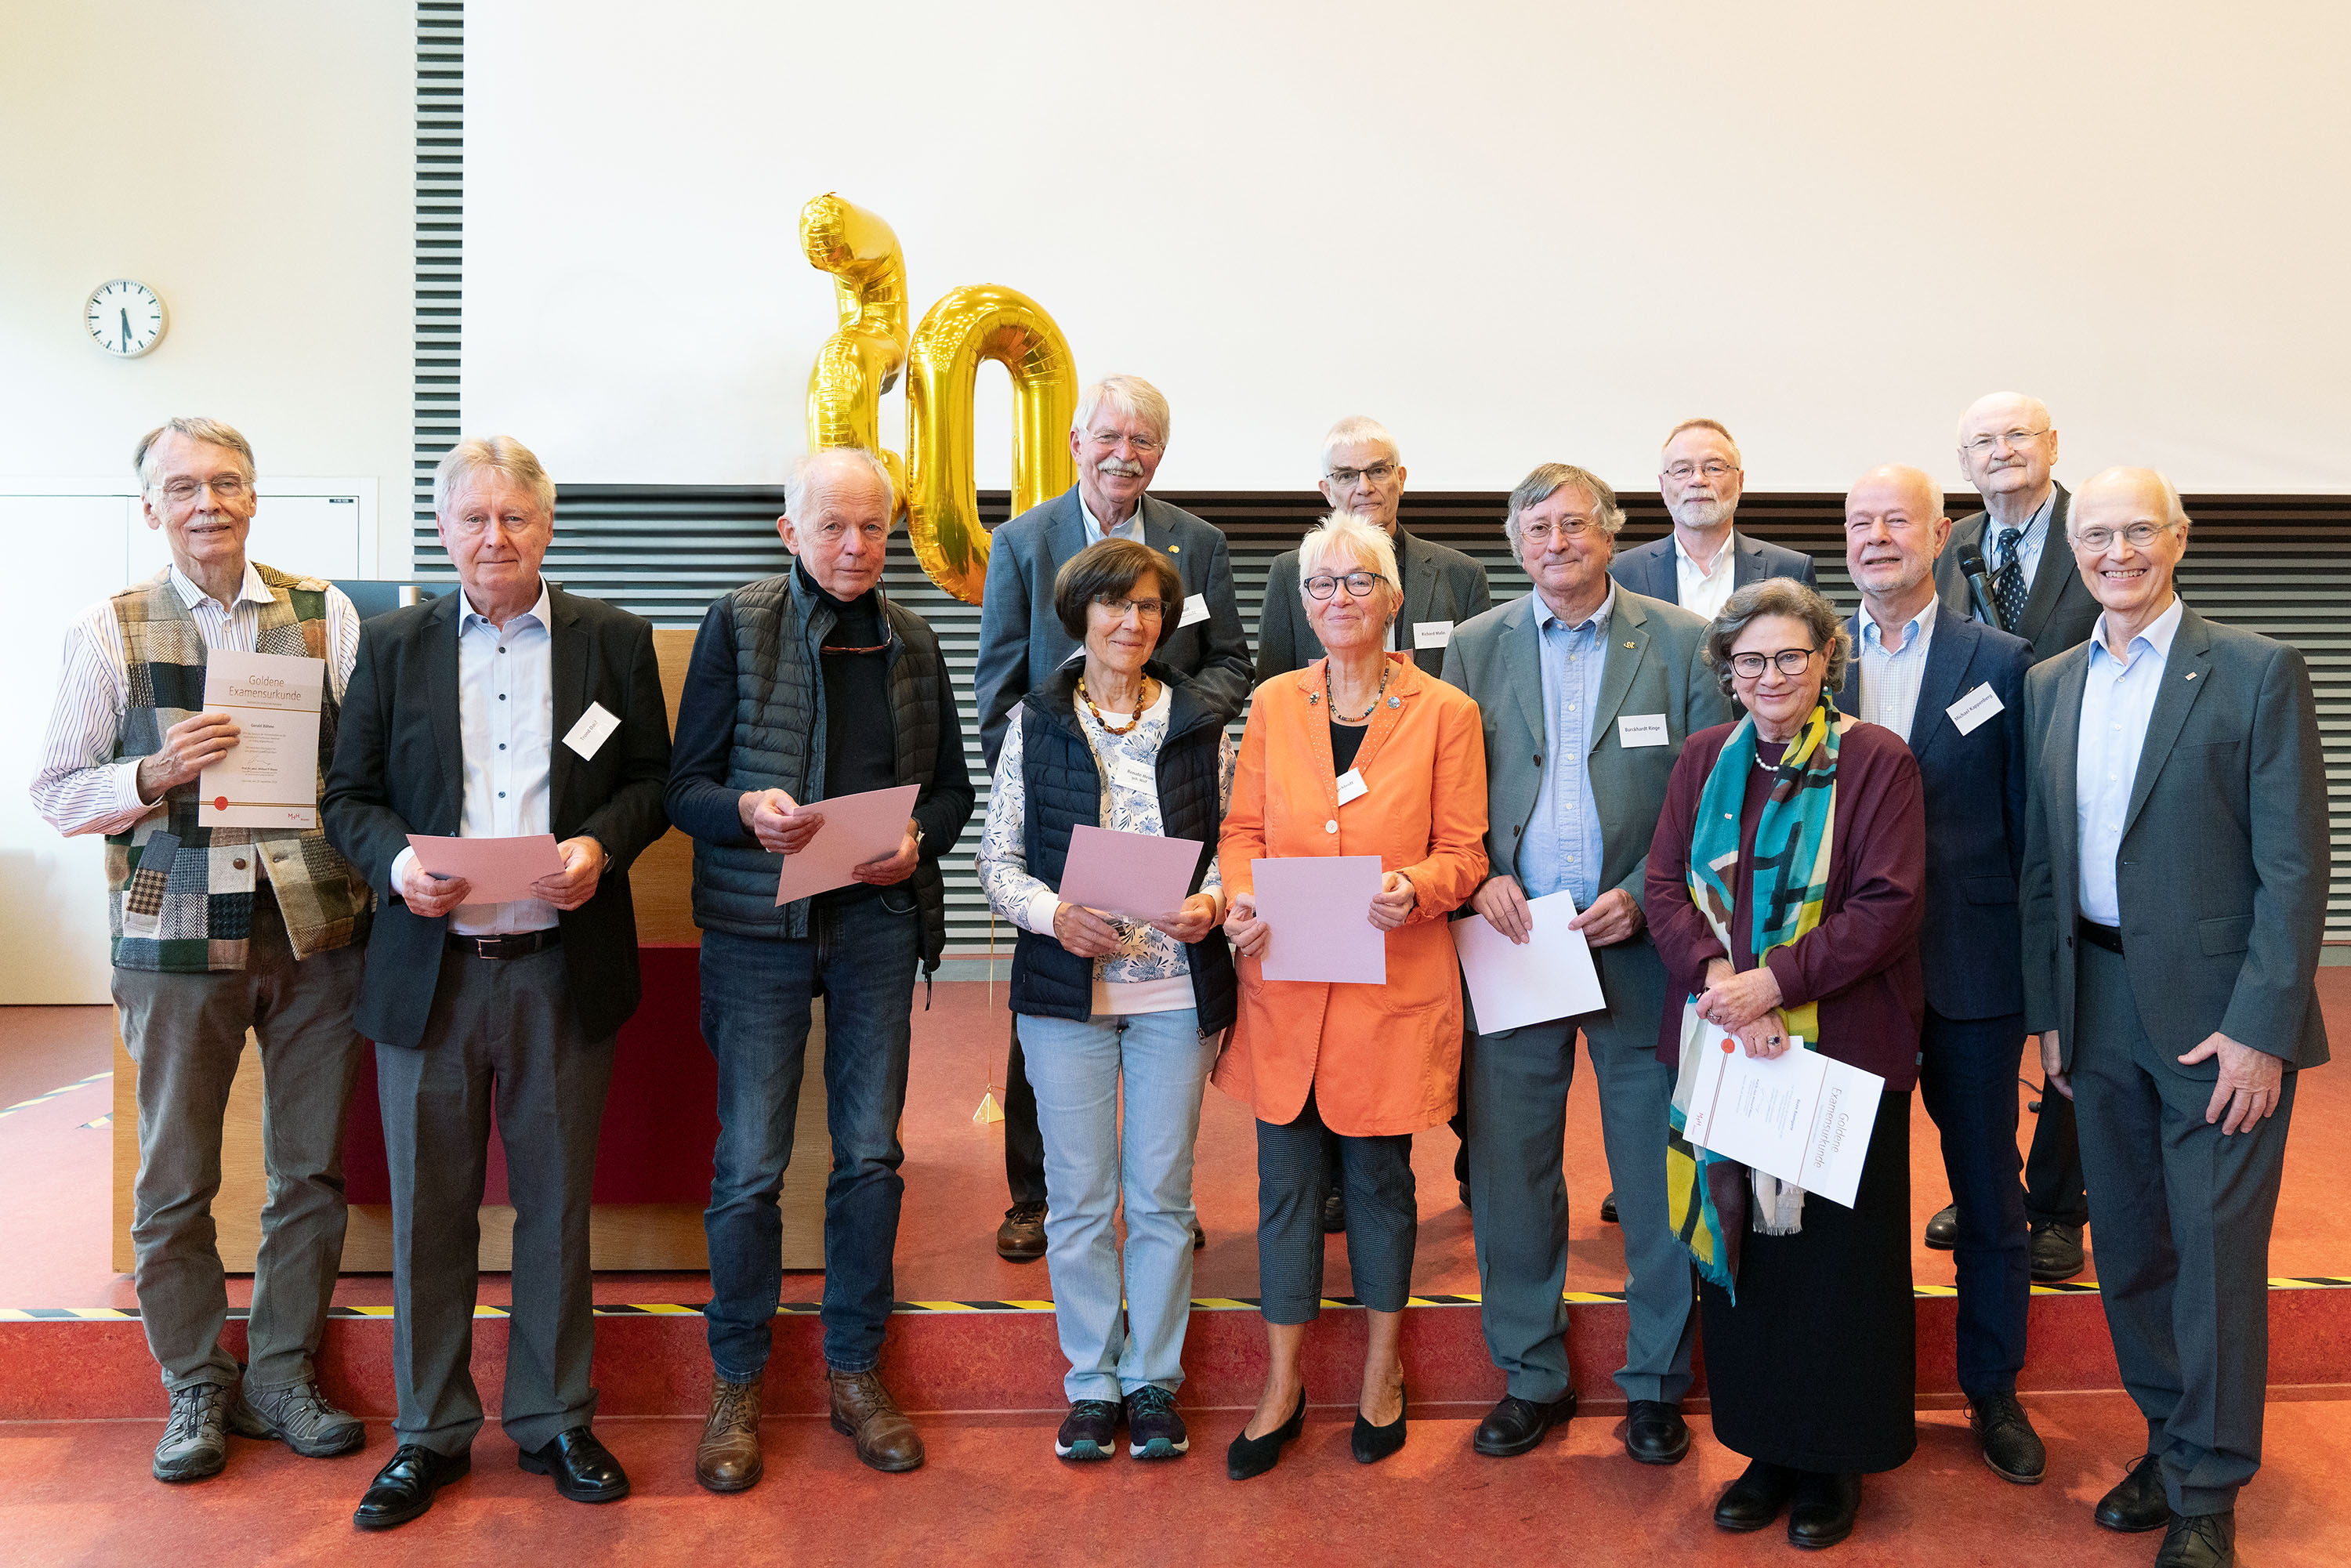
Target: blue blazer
<point x="1649" y="569"/>
<point x="1971" y="941"/>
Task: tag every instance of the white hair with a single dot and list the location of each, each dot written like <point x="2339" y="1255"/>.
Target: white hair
<point x="812" y="470"/>
<point x="2033" y="409"/>
<point x="500" y="455"/>
<point x="1129" y="395"/>
<point x="2173" y="512"/>
<point x="1343" y="534"/>
<point x="1358" y="430"/>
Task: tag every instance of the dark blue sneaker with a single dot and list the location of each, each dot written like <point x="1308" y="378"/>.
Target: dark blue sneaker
<point x="1087" y="1432"/>
<point x="1154" y="1430"/>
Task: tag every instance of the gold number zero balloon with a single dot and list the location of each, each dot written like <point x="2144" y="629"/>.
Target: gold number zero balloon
<point x="976" y="322"/>
<point x="861" y="359"/>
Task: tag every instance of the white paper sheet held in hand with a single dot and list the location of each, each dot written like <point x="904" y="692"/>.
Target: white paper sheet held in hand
<point x="1320" y="910"/>
<point x="270" y="777"/>
<point x="1799" y="1115"/>
<point x="857" y="829"/>
<point x="1551" y="977"/>
<point x="1134" y="877"/>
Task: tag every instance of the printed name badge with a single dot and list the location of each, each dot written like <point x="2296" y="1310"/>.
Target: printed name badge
<point x="1195" y="610"/>
<point x="1643" y="730"/>
<point x="1136" y="774"/>
<point x="1431" y="634"/>
<point x="1352" y="785"/>
<point x="1974" y="708"/>
<point x="595" y="726"/>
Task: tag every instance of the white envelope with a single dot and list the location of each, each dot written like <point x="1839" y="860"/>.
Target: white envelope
<point x="1553" y="977"/>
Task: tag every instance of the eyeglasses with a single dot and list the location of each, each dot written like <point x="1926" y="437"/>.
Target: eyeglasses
<point x="1149" y="609"/>
<point x="1716" y="469"/>
<point x="2098" y="541"/>
<point x="1791" y="662"/>
<point x="1108" y="439"/>
<point x="1541" y="534"/>
<point x="223" y="486"/>
<point x="1982" y="444"/>
<point x="1378" y="473"/>
<point x="1359" y="584"/>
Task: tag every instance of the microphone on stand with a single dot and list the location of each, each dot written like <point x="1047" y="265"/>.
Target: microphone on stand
<point x="1971" y="566"/>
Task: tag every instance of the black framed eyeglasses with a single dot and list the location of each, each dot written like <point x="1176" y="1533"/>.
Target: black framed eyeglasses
<point x="1791" y="662"/>
<point x="1359" y="584"/>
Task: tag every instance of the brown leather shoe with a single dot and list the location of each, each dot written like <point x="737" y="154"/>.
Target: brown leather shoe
<point x="864" y="1410"/>
<point x="729" y="1459"/>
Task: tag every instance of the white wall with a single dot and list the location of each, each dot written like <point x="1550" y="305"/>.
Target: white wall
<point x="1543" y="229"/>
<point x="251" y="161"/>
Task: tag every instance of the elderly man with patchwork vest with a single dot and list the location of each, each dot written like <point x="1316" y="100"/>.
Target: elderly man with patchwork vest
<point x="805" y="687"/>
<point x="217" y="930"/>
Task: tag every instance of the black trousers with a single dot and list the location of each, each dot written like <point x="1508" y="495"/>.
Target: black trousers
<point x="2052" y="1172"/>
<point x="1024" y="1145"/>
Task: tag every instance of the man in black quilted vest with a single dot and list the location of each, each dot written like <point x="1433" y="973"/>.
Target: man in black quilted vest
<point x="217" y="930"/>
<point x="806" y="687"/>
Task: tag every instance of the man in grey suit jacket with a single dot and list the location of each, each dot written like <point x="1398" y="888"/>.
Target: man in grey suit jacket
<point x="2175" y="895"/>
<point x="1588" y="691"/>
<point x="1705" y="559"/>
<point x="1363" y="473"/>
<point x="1118" y="436"/>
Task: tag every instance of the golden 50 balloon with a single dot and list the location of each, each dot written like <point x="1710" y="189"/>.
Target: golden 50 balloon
<point x="976" y="322"/>
<point x="861" y="359"/>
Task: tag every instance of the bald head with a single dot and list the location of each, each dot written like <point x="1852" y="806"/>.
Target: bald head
<point x="2129" y="531"/>
<point x="1894" y="529"/>
<point x="2008" y="450"/>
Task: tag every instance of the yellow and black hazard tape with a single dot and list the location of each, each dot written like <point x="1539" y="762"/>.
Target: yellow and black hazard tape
<point x="1199" y="1303"/>
<point x="54" y="1093"/>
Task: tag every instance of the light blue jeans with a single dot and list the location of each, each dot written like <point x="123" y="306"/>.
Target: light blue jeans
<point x="1075" y="1069"/>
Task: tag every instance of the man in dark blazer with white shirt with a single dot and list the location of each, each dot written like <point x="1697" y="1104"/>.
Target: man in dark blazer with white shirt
<point x="1954" y="691"/>
<point x="1363" y="474"/>
<point x="1705" y="559"/>
<point x="505" y="708"/>
<point x="1118" y="437"/>
<point x="2174" y="898"/>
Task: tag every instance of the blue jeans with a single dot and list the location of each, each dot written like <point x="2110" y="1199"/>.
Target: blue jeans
<point x="1090" y="1163"/>
<point x="755" y="1016"/>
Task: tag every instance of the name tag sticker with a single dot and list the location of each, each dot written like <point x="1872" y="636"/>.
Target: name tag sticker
<point x="1136" y="774"/>
<point x="595" y="726"/>
<point x="1643" y="730"/>
<point x="1974" y="708"/>
<point x="1431" y="634"/>
<point x="1352" y="785"/>
<point x="1195" y="610"/>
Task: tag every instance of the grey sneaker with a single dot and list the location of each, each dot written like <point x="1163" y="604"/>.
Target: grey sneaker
<point x="301" y="1417"/>
<point x="195" y="1439"/>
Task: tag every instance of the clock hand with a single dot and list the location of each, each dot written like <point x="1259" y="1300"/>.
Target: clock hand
<point x="126" y="326"/>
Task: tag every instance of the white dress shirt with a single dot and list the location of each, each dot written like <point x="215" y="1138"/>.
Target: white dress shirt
<point x="80" y="788"/>
<point x="2117" y="700"/>
<point x="1703" y="589"/>
<point x="2029" y="544"/>
<point x="506" y="719"/>
<point x="1890" y="677"/>
<point x="1095" y="533"/>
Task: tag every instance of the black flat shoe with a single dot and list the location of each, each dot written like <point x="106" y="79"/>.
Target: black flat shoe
<point x="1516" y="1425"/>
<point x="1254" y="1456"/>
<point x="1654" y="1432"/>
<point x="2199" y="1541"/>
<point x="1608" y="1209"/>
<point x="584" y="1469"/>
<point x="1943" y="1231"/>
<point x="2011" y="1446"/>
<point x="1334" y="1213"/>
<point x="2137" y="1502"/>
<point x="1756" y="1498"/>
<point x="403" y="1489"/>
<point x="2056" y="1252"/>
<point x="1371" y="1444"/>
<point x="1824" y="1510"/>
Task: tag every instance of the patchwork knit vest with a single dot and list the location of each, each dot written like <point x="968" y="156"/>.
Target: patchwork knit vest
<point x="188" y="904"/>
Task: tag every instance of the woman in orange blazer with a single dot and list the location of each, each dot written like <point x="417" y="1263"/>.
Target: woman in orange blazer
<point x="1373" y="1064"/>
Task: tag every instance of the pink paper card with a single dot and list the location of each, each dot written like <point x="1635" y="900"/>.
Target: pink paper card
<point x="857" y="829"/>
<point x="1319" y="907"/>
<point x="500" y="870"/>
<point x="1135" y="876"/>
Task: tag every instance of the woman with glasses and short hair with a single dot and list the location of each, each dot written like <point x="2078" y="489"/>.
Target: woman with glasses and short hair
<point x="1784" y="896"/>
<point x="1358" y="753"/>
<point x="1121" y="742"/>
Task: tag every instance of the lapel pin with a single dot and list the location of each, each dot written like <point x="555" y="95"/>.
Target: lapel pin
<point x="1313" y="700"/>
<point x="1396" y="702"/>
<point x="1629" y="644"/>
<point x="2191" y="674"/>
<point x="1175" y="549"/>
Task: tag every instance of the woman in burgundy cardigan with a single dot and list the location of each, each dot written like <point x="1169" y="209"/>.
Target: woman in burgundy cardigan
<point x="1812" y="1371"/>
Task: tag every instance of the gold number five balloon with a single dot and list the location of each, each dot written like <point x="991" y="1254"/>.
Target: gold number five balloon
<point x="976" y="322"/>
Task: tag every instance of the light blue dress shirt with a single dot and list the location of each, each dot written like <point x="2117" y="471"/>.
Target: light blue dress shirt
<point x="2118" y="699"/>
<point x="1095" y="533"/>
<point x="1890" y="677"/>
<point x="2029" y="545"/>
<point x="1562" y="850"/>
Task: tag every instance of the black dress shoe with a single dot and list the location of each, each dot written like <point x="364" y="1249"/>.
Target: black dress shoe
<point x="584" y="1469"/>
<point x="1371" y="1444"/>
<point x="2137" y="1502"/>
<point x="1608" y="1209"/>
<point x="1516" y="1425"/>
<point x="1756" y="1498"/>
<point x="1334" y="1212"/>
<point x="2199" y="1541"/>
<point x="1254" y="1456"/>
<point x="1824" y="1510"/>
<point x="1199" y="1237"/>
<point x="1021" y="1237"/>
<point x="2056" y="1251"/>
<point x="1654" y="1432"/>
<point x="2011" y="1446"/>
<point x="404" y="1487"/>
<point x="1943" y="1231"/>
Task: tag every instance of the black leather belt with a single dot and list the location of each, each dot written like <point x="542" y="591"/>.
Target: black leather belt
<point x="2098" y="935"/>
<point x="521" y="945"/>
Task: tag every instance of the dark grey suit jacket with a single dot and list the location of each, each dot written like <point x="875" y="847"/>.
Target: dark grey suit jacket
<point x="1020" y="638"/>
<point x="2222" y="869"/>
<point x="2059" y="609"/>
<point x="1649" y="569"/>
<point x="1439" y="584"/>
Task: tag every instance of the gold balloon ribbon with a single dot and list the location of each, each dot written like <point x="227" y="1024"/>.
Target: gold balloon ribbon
<point x="981" y="321"/>
<point x="861" y="359"/>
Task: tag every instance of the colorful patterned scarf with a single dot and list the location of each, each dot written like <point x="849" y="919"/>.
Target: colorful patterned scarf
<point x="1708" y="1195"/>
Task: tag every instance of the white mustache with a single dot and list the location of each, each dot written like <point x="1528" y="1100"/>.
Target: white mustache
<point x="1120" y="466"/>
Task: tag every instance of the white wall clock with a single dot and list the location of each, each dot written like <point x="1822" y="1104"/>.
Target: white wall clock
<point x="125" y="316"/>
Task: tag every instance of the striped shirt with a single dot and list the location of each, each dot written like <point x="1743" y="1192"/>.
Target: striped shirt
<point x="80" y="787"/>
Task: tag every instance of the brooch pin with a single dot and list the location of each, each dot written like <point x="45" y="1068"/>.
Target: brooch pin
<point x="1313" y="700"/>
<point x="1396" y="702"/>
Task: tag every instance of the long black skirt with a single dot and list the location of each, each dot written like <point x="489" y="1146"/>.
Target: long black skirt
<point x="1817" y="1366"/>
